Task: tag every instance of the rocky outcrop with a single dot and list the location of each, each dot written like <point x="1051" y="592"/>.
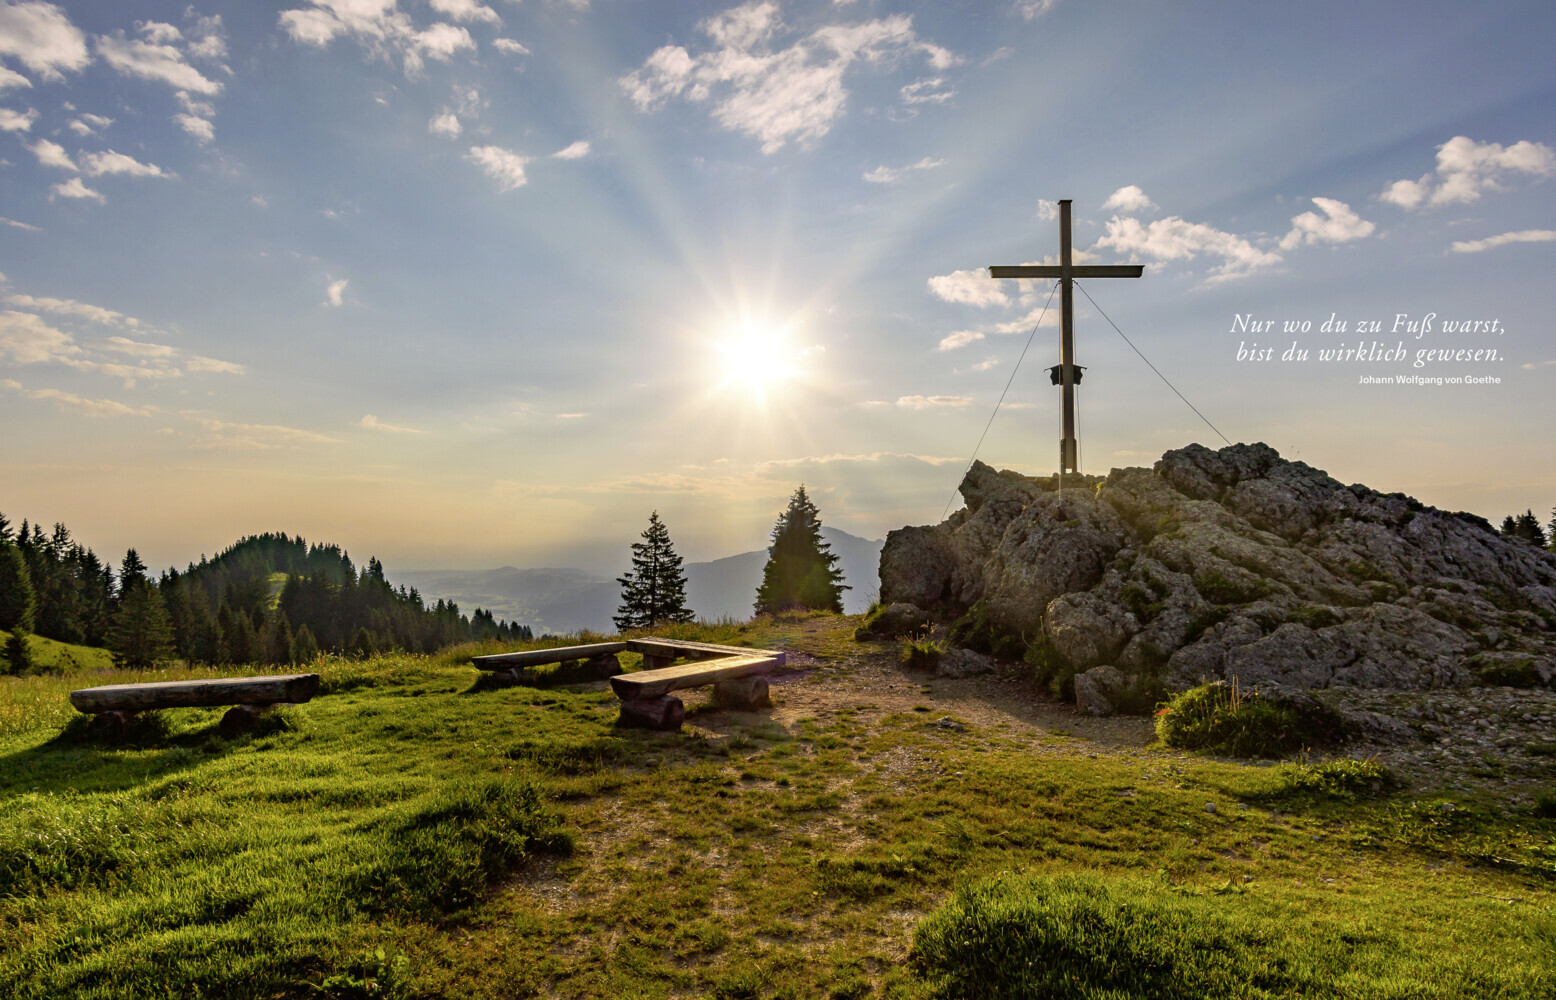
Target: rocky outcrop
<point x="1236" y="563"/>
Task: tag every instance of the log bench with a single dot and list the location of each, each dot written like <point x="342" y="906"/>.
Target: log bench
<point x="112" y="705"/>
<point x="738" y="674"/>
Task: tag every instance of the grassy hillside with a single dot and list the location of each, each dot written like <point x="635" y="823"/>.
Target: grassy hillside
<point x="410" y="833"/>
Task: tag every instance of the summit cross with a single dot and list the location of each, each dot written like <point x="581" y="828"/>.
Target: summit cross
<point x="1067" y="374"/>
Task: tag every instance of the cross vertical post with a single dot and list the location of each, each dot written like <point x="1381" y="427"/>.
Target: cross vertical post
<point x="1068" y="374"/>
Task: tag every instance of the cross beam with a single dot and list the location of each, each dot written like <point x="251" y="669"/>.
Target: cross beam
<point x="1067" y="271"/>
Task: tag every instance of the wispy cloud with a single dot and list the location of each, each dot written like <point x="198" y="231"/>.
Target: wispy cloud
<point x="381" y="28"/>
<point x="27" y="340"/>
<point x="773" y="92"/>
<point x="576" y="151"/>
<point x="960" y="338"/>
<point x="98" y="164"/>
<point x="334" y="295"/>
<point x="372" y="423"/>
<point x="1174" y="238"/>
<point x="227" y="436"/>
<point x="1503" y="239"/>
<point x="932" y="402"/>
<point x="70" y="402"/>
<point x="509" y="47"/>
<point x="445" y="123"/>
<point x="52" y="154"/>
<point x="891" y="175"/>
<point x="17" y="121"/>
<point x="155" y="58"/>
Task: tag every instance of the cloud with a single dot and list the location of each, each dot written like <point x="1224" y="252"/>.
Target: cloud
<point x="380" y="27"/>
<point x="774" y="94"/>
<point x="1127" y="199"/>
<point x="222" y="435"/>
<point x="973" y="288"/>
<point x="1047" y="210"/>
<point x="200" y="128"/>
<point x="206" y="40"/>
<point x="984" y="366"/>
<point x="159" y="63"/>
<point x="1038" y="316"/>
<point x="1466" y="168"/>
<point x="17" y="121"/>
<point x="52" y="154"/>
<point x="141" y="349"/>
<point x="1503" y="239"/>
<point x="98" y="164"/>
<point x="930" y="90"/>
<point x="1175" y="239"/>
<point x="446" y="124"/>
<point x="27" y="340"/>
<point x="199" y="364"/>
<point x="504" y="166"/>
<point x="20" y="225"/>
<point x="509" y="47"/>
<point x="89" y="124"/>
<point x="931" y="402"/>
<point x="960" y="338"/>
<point x="42" y="38"/>
<point x="11" y="78"/>
<point x="77" y="404"/>
<point x="372" y="423"/>
<point x="1034" y="9"/>
<point x="70" y="307"/>
<point x="1338" y="224"/>
<point x="333" y="295"/>
<point x="576" y="151"/>
<point x="891" y="175"/>
<point x="73" y="188"/>
<point x="467" y="10"/>
<point x="571" y="416"/>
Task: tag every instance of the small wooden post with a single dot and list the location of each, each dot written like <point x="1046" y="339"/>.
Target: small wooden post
<point x="665" y="712"/>
<point x="745" y="693"/>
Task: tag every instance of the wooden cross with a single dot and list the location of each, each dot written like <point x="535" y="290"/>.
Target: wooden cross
<point x="1067" y="272"/>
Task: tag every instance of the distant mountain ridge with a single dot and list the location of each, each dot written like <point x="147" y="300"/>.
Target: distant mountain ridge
<point x="566" y="600"/>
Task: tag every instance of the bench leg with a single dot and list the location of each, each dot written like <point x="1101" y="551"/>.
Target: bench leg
<point x="743" y="693"/>
<point x="654" y="661"/>
<point x="664" y="712"/>
<point x="604" y="666"/>
<point x="241" y="719"/>
<point x="110" y="726"/>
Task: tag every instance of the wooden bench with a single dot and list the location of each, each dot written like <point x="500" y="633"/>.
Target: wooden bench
<point x="112" y="705"/>
<point x="738" y="674"/>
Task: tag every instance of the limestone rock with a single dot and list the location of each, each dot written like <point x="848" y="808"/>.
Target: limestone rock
<point x="893" y="620"/>
<point x="1086" y="629"/>
<point x="1097" y="689"/>
<point x="963" y="663"/>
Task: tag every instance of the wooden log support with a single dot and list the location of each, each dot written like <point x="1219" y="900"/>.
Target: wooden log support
<point x="652" y="683"/>
<point x="536" y="657"/>
<point x="241" y="719"/>
<point x="604" y="665"/>
<point x="664" y="712"/>
<point x="743" y="693"/>
<point x="129" y="698"/>
<point x="657" y="661"/>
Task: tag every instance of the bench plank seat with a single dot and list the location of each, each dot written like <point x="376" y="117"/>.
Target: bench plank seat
<point x="536" y="657"/>
<point x="654" y="683"/>
<point x="196" y="694"/>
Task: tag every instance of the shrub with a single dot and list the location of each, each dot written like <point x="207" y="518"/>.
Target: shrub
<point x="1219" y="588"/>
<point x="975" y="631"/>
<point x="1341" y="778"/>
<point x="1219" y="718"/>
<point x="1545" y="805"/>
<point x="921" y="654"/>
<point x="1080" y="937"/>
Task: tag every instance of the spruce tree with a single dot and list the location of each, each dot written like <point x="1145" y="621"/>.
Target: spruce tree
<point x="304" y="648"/>
<point x="18" y="654"/>
<point x="17" y="598"/>
<point x="654" y="592"/>
<point x="142" y="633"/>
<point x="801" y="570"/>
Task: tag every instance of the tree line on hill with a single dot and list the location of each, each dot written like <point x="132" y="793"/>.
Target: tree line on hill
<point x="1527" y="527"/>
<point x="222" y="610"/>
<point x="801" y="572"/>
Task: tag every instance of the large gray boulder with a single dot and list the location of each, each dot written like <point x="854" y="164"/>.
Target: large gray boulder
<point x="1235" y="564"/>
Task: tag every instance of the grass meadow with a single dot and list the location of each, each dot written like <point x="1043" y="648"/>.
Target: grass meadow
<point x="414" y="833"/>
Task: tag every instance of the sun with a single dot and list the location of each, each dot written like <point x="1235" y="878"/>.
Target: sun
<point x="753" y="357"/>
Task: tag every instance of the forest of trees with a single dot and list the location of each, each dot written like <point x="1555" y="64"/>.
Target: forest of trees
<point x="222" y="610"/>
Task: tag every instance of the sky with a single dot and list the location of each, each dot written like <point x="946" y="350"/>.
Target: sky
<point x="463" y="285"/>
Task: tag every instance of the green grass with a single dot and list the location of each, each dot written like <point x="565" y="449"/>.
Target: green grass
<point x="53" y="655"/>
<point x="407" y="835"/>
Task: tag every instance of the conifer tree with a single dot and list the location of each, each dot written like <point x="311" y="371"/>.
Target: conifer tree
<point x="18" y="653"/>
<point x="17" y="599"/>
<point x="654" y="592"/>
<point x="1528" y="528"/>
<point x="305" y="649"/>
<point x="801" y="570"/>
<point x="141" y="634"/>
